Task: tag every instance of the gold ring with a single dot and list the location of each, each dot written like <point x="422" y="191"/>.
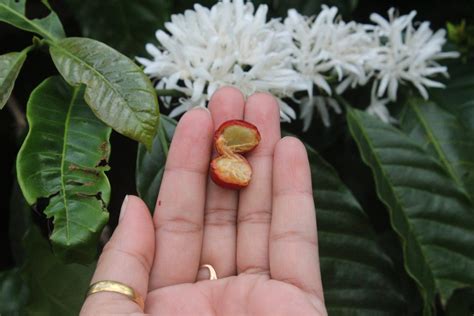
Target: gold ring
<point x="212" y="271"/>
<point x="117" y="287"/>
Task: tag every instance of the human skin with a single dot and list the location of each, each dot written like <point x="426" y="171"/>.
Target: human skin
<point x="261" y="240"/>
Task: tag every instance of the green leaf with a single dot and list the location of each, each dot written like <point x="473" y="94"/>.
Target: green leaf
<point x="123" y="24"/>
<point x="10" y="65"/>
<point x="63" y="160"/>
<point x="13" y="292"/>
<point x="458" y="97"/>
<point x="358" y="276"/>
<point x="432" y="215"/>
<point x="20" y="219"/>
<point x="151" y="165"/>
<point x="117" y="90"/>
<point x="56" y="288"/>
<point x="443" y="135"/>
<point x="13" y="12"/>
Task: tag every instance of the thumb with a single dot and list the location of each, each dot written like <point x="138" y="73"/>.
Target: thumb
<point x="126" y="258"/>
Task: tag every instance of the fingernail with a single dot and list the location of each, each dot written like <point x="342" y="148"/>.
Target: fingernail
<point x="123" y="209"/>
<point x="200" y="108"/>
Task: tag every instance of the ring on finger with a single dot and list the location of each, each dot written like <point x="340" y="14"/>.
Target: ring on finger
<point x="116" y="287"/>
<point x="212" y="271"/>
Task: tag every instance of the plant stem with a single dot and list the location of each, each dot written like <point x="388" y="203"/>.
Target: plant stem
<point x="163" y="140"/>
<point x="342" y="100"/>
<point x="18" y="115"/>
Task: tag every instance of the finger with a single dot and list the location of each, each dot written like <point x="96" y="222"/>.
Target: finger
<point x="293" y="239"/>
<point x="220" y="215"/>
<point x="255" y="202"/>
<point x="179" y="210"/>
<point x="126" y="258"/>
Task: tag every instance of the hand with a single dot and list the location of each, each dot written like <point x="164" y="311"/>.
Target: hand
<point x="262" y="241"/>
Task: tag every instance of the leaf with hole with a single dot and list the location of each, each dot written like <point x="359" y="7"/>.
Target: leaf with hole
<point x="117" y="90"/>
<point x="10" y="66"/>
<point x="13" y="12"/>
<point x="53" y="286"/>
<point x="432" y="215"/>
<point x="61" y="163"/>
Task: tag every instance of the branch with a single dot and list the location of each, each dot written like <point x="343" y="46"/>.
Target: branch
<point x="18" y="116"/>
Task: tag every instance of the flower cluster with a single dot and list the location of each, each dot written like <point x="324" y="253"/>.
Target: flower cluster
<point x="229" y="44"/>
<point x="233" y="44"/>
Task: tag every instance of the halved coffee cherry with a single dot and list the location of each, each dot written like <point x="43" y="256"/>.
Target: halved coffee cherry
<point x="231" y="173"/>
<point x="237" y="136"/>
<point x="231" y="170"/>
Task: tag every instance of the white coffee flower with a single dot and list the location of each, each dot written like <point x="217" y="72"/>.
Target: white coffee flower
<point x="378" y="108"/>
<point x="407" y="54"/>
<point x="321" y="103"/>
<point x="326" y="48"/>
<point x="233" y="44"/>
<point x="229" y="44"/>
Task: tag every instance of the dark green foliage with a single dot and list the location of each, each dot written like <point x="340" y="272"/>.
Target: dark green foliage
<point x="56" y="288"/>
<point x="123" y="24"/>
<point x="445" y="137"/>
<point x="432" y="215"/>
<point x="13" y="291"/>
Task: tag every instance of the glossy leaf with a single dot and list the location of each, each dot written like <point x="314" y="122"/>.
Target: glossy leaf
<point x="117" y="90"/>
<point x="56" y="288"/>
<point x="432" y="215"/>
<point x="151" y="165"/>
<point x="10" y="65"/>
<point x="13" y="292"/>
<point x="443" y="135"/>
<point x="458" y="97"/>
<point x="358" y="277"/>
<point x="62" y="161"/>
<point x="13" y="12"/>
<point x="123" y="24"/>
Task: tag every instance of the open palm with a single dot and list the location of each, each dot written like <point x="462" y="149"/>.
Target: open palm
<point x="262" y="241"/>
